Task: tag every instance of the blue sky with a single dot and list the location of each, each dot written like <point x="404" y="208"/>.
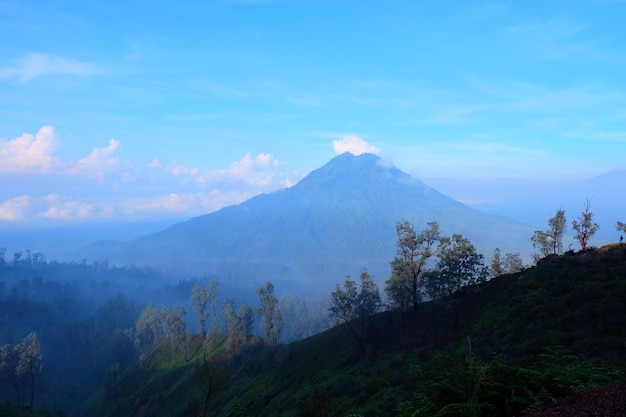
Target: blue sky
<point x="143" y="110"/>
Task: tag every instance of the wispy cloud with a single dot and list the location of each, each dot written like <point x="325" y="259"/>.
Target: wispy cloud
<point x="34" y="65"/>
<point x="553" y="39"/>
<point x="66" y="208"/>
<point x="99" y="161"/>
<point x="599" y="135"/>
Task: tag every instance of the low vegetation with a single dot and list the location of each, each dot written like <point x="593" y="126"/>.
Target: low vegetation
<point x="521" y="340"/>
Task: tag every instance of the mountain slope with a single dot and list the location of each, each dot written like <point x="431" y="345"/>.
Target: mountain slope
<point x="337" y="220"/>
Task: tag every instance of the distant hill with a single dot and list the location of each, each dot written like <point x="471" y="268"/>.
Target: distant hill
<point x="608" y="204"/>
<point x="336" y="221"/>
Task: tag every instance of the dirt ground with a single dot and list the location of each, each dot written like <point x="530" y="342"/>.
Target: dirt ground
<point x="597" y="402"/>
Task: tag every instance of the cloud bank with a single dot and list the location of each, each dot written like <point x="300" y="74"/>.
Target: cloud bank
<point x="104" y="186"/>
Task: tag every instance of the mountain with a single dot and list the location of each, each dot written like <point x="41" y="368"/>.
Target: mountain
<point x="336" y="221"/>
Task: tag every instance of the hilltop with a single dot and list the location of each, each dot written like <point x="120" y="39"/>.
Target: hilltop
<point x="522" y="340"/>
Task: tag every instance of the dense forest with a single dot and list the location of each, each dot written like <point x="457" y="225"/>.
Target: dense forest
<point x="82" y="322"/>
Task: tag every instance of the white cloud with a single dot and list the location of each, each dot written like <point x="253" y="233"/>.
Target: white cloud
<point x="181" y="169"/>
<point x="15" y="208"/>
<point x="353" y="144"/>
<point x="29" y="153"/>
<point x="258" y="171"/>
<point x="64" y="208"/>
<point x="34" y="65"/>
<point x="181" y="204"/>
<point x="99" y="161"/>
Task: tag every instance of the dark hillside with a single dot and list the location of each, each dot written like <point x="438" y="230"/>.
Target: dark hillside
<point x="503" y="348"/>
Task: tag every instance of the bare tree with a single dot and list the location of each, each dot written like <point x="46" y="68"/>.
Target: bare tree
<point x="585" y="227"/>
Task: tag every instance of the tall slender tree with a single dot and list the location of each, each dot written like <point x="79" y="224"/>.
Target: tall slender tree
<point x="496" y="268"/>
<point x="407" y="268"/>
<point x="585" y="227"/>
<point x="30" y="361"/>
<point x="270" y="313"/>
<point x="199" y="299"/>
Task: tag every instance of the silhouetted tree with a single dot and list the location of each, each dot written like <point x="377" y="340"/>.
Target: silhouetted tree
<point x="351" y="303"/>
<point x="509" y="264"/>
<point x="238" y="325"/>
<point x="413" y="250"/>
<point x="148" y="330"/>
<point x="459" y="265"/>
<point x="270" y="313"/>
<point x="9" y="360"/>
<point x="29" y="361"/>
<point x="199" y="299"/>
<point x="174" y="327"/>
<point x="585" y="227"/>
<point x="496" y="268"/>
<point x="551" y="241"/>
<point x="512" y="263"/>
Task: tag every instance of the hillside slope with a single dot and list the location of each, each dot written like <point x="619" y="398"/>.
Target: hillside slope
<point x="517" y="340"/>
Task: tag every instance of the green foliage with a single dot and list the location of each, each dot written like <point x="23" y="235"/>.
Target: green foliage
<point x="516" y="361"/>
<point x="551" y="241"/>
<point x="459" y="265"/>
<point x="352" y="304"/>
<point x="475" y="388"/>
<point x="270" y="313"/>
<point x="413" y="251"/>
